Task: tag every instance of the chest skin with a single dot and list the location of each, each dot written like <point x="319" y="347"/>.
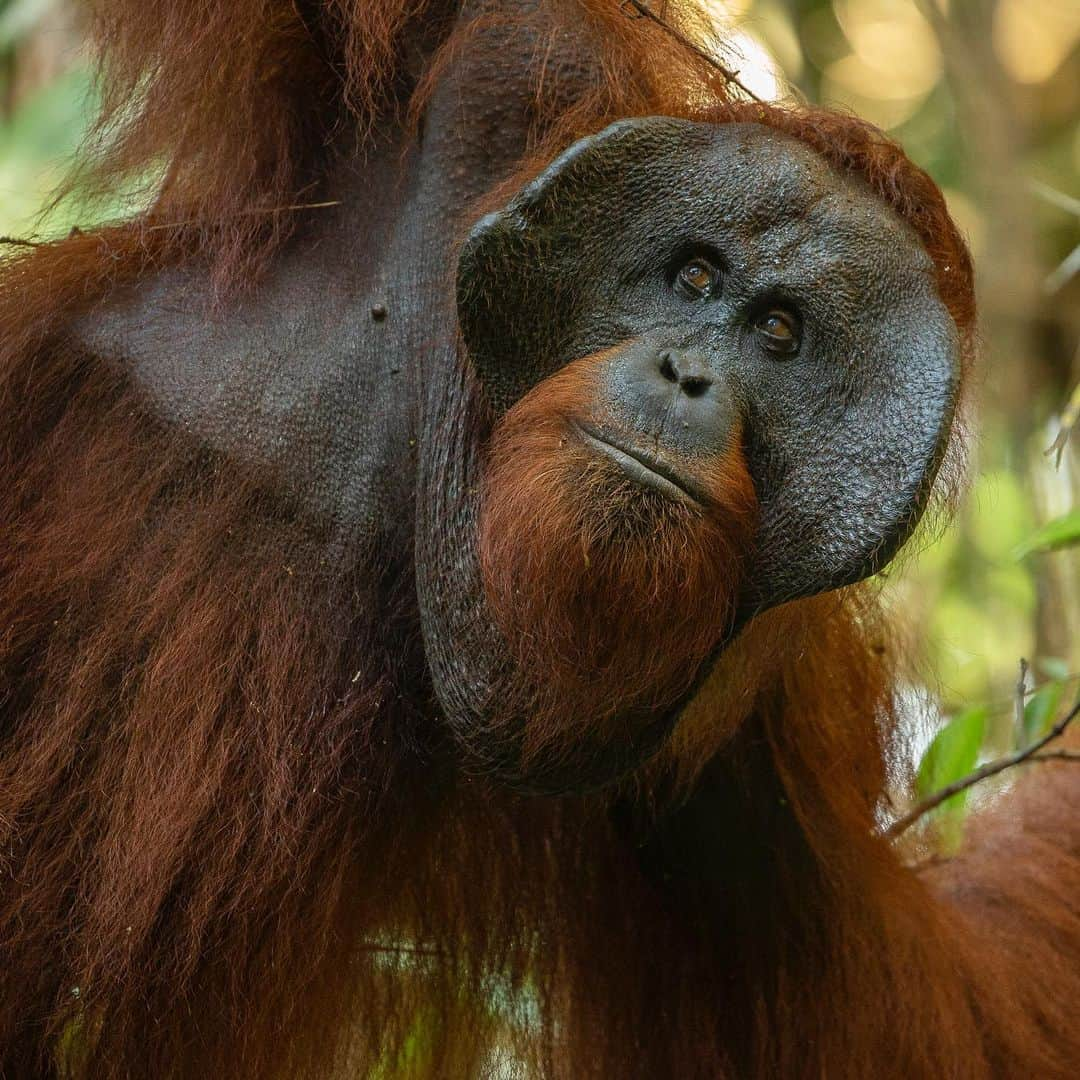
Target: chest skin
<point x="318" y="373"/>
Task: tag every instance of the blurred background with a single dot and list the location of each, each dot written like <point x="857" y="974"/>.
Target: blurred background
<point x="985" y="94"/>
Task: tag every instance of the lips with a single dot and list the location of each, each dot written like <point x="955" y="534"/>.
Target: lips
<point x="644" y="468"/>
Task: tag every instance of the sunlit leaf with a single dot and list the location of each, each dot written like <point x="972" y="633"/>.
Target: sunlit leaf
<point x="1053" y="667"/>
<point x="1041" y="710"/>
<point x="952" y="753"/>
<point x="1062" y="532"/>
<point x="949" y="757"/>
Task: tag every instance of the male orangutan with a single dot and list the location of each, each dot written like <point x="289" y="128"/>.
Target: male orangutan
<point x="429" y="611"/>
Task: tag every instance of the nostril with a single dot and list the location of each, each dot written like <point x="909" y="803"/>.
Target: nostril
<point x="695" y="385"/>
<point x="667" y="368"/>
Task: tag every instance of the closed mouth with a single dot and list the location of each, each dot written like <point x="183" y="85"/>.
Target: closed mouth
<point x="641" y="467"/>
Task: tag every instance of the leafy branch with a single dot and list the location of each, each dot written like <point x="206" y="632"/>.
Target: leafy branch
<point x="991" y="768"/>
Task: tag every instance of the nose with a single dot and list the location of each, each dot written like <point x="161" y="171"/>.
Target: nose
<point x="686" y="370"/>
<point x="676" y="396"/>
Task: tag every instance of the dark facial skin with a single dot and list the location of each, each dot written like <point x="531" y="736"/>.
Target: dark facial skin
<point x="340" y="372"/>
<point x="806" y="308"/>
<point x="730" y="278"/>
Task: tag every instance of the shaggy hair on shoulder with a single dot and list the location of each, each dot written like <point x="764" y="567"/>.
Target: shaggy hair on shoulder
<point x="233" y="842"/>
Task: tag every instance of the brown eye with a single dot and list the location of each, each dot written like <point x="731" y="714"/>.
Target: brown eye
<point x="698" y="278"/>
<point x="779" y="331"/>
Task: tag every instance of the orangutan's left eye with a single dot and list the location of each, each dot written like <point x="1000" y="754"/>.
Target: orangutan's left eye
<point x="697" y="279"/>
<point x="779" y="331"/>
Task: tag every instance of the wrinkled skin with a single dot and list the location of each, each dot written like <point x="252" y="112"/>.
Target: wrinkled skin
<point x="339" y="373"/>
<point x="842" y="439"/>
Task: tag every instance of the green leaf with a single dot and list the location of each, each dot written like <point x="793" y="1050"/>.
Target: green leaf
<point x="949" y="757"/>
<point x="1054" y="667"/>
<point x="1041" y="710"/>
<point x="1060" y="533"/>
<point x="952" y="753"/>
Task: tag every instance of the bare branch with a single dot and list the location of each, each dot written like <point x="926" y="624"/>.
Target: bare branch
<point x="991" y="768"/>
<point x="1064" y="273"/>
<point x="1018" y="702"/>
<point x="1057" y="198"/>
<point x="998" y="704"/>
<point x="1069" y="416"/>
<point x="644" y="11"/>
<point x="253" y="210"/>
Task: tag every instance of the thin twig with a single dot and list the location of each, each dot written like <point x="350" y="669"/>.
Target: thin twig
<point x="1063" y="273"/>
<point x="991" y="768"/>
<point x="1069" y="416"/>
<point x="644" y="11"/>
<point x="16" y="241"/>
<point x="254" y="210"/>
<point x="996" y="705"/>
<point x="1057" y="755"/>
<point x="1068" y="203"/>
<point x="1018" y="702"/>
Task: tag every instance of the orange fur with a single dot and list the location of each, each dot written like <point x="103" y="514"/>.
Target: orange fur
<point x="610" y="596"/>
<point x="232" y="843"/>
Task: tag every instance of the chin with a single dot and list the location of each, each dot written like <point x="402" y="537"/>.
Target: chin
<point x="612" y="575"/>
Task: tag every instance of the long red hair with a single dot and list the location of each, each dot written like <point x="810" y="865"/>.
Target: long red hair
<point x="611" y="597"/>
<point x="232" y="839"/>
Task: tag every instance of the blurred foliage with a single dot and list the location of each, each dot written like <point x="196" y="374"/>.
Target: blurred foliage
<point x="985" y="95"/>
<point x="1062" y="532"/>
<point x="45" y="100"/>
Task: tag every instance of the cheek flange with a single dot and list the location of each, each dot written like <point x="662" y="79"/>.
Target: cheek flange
<point x="844" y="468"/>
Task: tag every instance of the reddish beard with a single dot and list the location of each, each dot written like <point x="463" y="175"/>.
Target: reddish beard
<point x="610" y="595"/>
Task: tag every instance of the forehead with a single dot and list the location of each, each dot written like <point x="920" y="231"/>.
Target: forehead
<point x="778" y="212"/>
<point x="754" y="182"/>
<point x="764" y="171"/>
